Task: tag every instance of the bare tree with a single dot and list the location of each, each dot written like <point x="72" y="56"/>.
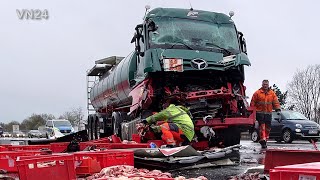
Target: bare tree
<point x="304" y="91"/>
<point x="35" y="120"/>
<point x="75" y="116"/>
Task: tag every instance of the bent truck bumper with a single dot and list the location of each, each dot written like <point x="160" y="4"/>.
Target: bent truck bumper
<point x="227" y="122"/>
<point x="219" y="123"/>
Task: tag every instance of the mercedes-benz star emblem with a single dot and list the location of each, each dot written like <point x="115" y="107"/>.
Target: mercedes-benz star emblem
<point x="199" y="64"/>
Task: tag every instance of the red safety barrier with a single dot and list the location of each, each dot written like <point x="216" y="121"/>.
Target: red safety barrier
<point x="59" y="147"/>
<point x="47" y="167"/>
<point x="8" y="159"/>
<point x="297" y="171"/>
<point x="27" y="147"/>
<point x="93" y="162"/>
<point x="280" y="157"/>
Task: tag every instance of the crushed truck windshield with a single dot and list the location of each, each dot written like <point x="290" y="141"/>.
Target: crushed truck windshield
<point x="192" y="33"/>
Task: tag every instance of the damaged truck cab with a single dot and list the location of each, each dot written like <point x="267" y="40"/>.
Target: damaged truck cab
<point x="196" y="54"/>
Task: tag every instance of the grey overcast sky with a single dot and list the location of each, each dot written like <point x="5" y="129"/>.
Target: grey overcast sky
<point x="43" y="63"/>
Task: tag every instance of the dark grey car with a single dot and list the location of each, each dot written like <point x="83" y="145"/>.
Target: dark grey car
<point x="293" y="126"/>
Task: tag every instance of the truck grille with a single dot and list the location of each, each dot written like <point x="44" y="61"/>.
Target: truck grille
<point x="187" y="64"/>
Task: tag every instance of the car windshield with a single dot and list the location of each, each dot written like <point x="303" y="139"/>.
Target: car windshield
<point x="290" y="115"/>
<point x="193" y="33"/>
<point x="61" y="123"/>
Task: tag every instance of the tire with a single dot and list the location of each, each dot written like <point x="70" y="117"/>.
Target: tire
<point x="287" y="136"/>
<point x="116" y="123"/>
<point x="96" y="127"/>
<point x="314" y="140"/>
<point x="231" y="136"/>
<point x="255" y="136"/>
<point x="90" y="128"/>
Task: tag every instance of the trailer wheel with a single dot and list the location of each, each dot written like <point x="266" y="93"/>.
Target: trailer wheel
<point x="96" y="127"/>
<point x="90" y="127"/>
<point x="231" y="136"/>
<point x="116" y="123"/>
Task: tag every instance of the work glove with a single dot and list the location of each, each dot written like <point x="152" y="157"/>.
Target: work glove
<point x="155" y="129"/>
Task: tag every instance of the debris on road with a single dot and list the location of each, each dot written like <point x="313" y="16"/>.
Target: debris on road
<point x="124" y="172"/>
<point x="247" y="176"/>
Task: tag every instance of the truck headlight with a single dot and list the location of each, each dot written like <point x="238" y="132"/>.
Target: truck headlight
<point x="299" y="126"/>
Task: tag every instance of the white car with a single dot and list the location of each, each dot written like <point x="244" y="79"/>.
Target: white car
<point x="58" y="127"/>
<point x="6" y="134"/>
<point x="19" y="134"/>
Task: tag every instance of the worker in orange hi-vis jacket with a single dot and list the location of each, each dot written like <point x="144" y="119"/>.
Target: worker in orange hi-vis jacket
<point x="264" y="100"/>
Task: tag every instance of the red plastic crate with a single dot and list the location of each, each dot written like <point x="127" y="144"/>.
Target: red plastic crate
<point x="128" y="146"/>
<point x="283" y="157"/>
<point x="115" y="139"/>
<point x="83" y="145"/>
<point x="59" y="147"/>
<point x="3" y="148"/>
<point x="297" y="171"/>
<point x="107" y="158"/>
<point x="28" y="147"/>
<point x="101" y="140"/>
<point x="136" y="138"/>
<point x="87" y="166"/>
<point x="8" y="159"/>
<point x="47" y="167"/>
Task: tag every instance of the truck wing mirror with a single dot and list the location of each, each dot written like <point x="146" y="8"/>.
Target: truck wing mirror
<point x="134" y="38"/>
<point x="243" y="43"/>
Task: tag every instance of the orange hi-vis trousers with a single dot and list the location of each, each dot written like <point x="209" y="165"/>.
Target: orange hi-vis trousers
<point x="264" y="131"/>
<point x="171" y="134"/>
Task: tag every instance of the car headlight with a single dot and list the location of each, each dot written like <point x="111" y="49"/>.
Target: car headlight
<point x="72" y="129"/>
<point x="298" y="125"/>
<point x="318" y="126"/>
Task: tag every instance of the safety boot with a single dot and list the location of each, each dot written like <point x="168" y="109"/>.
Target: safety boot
<point x="263" y="144"/>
